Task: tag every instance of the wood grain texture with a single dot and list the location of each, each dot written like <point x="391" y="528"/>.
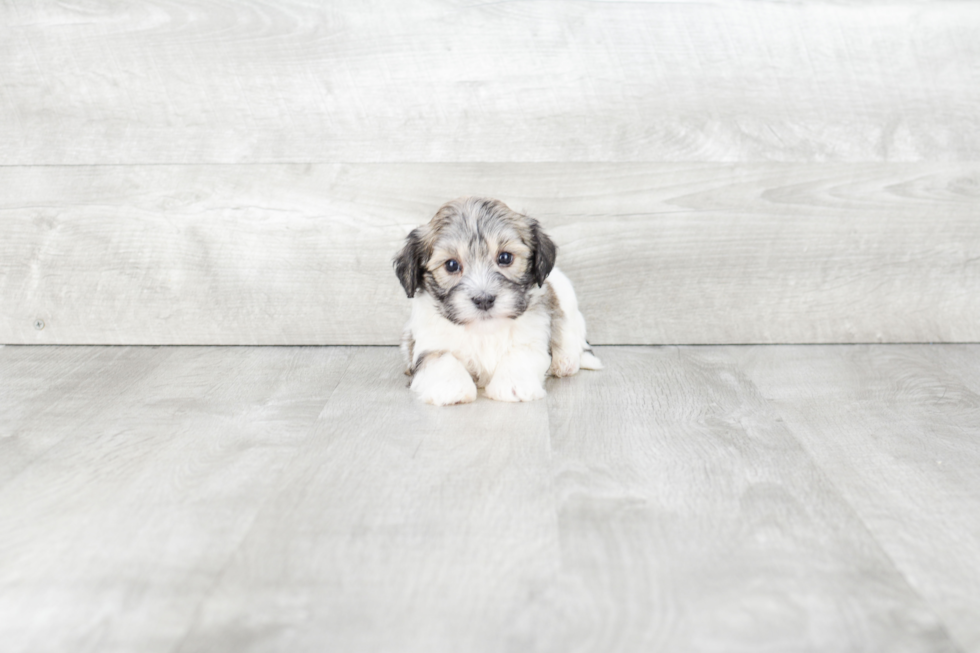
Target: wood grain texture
<point x="897" y="430"/>
<point x="659" y="253"/>
<point x="690" y="518"/>
<point x="113" y="535"/>
<point x="49" y="393"/>
<point x="411" y="528"/>
<point x="664" y="503"/>
<point x="191" y="81"/>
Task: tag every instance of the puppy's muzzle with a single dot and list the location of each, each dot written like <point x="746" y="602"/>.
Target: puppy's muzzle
<point x="484" y="302"/>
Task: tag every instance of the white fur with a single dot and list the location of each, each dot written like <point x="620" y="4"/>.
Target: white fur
<point x="444" y="382"/>
<point x="506" y="356"/>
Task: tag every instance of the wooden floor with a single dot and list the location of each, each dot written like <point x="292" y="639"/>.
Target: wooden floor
<point x="767" y="498"/>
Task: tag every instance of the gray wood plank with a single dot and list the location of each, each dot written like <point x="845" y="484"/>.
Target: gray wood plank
<point x="403" y="527"/>
<point x="897" y="431"/>
<point x="192" y="81"/>
<point x="111" y="538"/>
<point x="659" y="253"/>
<point x="664" y="503"/>
<point x="48" y="393"/>
<point x="692" y="520"/>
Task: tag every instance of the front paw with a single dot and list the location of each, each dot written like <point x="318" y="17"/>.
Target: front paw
<point x="444" y="383"/>
<point x="508" y="388"/>
<point x="564" y="365"/>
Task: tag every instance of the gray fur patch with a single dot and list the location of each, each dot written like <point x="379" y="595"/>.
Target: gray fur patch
<point x="424" y="358"/>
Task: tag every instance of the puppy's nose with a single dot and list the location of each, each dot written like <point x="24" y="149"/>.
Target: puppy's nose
<point x="484" y="302"/>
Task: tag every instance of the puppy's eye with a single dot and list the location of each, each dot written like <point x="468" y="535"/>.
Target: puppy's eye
<point x="504" y="259"/>
<point x="452" y="265"/>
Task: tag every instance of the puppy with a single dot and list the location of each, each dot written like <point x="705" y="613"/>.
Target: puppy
<point x="489" y="309"/>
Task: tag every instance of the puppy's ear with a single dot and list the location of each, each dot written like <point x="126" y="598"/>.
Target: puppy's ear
<point x="543" y="254"/>
<point x="410" y="263"/>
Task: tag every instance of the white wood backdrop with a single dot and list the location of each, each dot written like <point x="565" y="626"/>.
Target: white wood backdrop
<point x="191" y="171"/>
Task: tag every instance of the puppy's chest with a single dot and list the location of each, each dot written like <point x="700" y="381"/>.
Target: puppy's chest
<point x="479" y="349"/>
<point x="481" y="353"/>
<point x="480" y="346"/>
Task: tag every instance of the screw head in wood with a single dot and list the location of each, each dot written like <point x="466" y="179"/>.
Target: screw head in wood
<point x="38" y="324"/>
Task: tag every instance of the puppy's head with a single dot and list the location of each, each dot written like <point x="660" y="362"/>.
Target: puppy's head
<point x="477" y="258"/>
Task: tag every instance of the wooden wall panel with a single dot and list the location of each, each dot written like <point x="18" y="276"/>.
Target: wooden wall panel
<point x="660" y="253"/>
<point x="207" y="81"/>
<point x="185" y="171"/>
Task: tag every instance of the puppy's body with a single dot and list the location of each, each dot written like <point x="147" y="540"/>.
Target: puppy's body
<point x="488" y="307"/>
<point x="510" y="357"/>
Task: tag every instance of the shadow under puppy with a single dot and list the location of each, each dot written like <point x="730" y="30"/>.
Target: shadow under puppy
<point x="489" y="307"/>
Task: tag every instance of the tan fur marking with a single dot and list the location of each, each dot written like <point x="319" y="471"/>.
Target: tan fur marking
<point x="555" y="313"/>
<point x="408" y="346"/>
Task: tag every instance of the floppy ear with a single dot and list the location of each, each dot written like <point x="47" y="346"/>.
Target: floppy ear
<point x="410" y="263"/>
<point x="544" y="253"/>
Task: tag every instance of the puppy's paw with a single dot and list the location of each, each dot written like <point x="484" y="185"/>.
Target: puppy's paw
<point x="563" y="365"/>
<point x="444" y="382"/>
<point x="445" y="392"/>
<point x="506" y="387"/>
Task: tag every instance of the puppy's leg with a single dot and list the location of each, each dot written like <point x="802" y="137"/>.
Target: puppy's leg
<point x="569" y="349"/>
<point x="566" y="345"/>
<point x="440" y="379"/>
<point x="519" y="376"/>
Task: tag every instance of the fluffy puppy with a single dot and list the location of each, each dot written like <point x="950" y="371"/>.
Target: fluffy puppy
<point x="489" y="307"/>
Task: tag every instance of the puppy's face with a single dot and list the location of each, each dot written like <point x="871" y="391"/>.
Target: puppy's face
<point x="478" y="259"/>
